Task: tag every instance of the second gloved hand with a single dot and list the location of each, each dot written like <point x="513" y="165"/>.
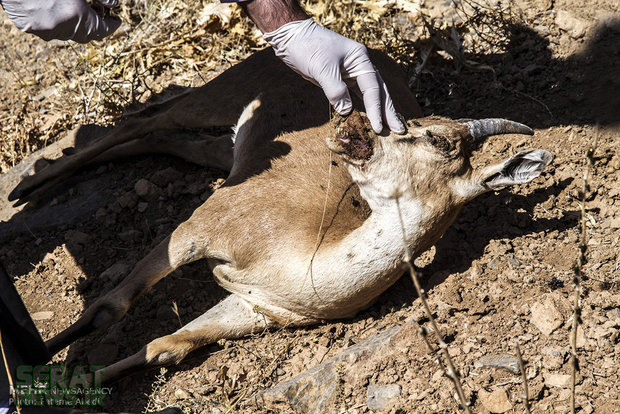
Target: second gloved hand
<point x="61" y="19"/>
<point x="326" y="58"/>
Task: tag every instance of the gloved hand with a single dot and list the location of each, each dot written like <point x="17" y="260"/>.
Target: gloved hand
<point x="325" y="58"/>
<point x="61" y="19"/>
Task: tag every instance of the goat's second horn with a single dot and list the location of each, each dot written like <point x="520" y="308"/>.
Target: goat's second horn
<point x="481" y="128"/>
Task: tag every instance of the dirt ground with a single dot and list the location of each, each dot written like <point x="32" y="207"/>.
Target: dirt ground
<point x="506" y="262"/>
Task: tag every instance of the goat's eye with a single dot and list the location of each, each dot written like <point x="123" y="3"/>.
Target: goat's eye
<point x="440" y="142"/>
<point x="431" y="138"/>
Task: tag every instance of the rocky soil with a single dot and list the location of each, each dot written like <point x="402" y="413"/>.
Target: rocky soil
<point x="503" y="273"/>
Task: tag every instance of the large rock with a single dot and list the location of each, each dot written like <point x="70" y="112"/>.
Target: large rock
<point x="313" y="391"/>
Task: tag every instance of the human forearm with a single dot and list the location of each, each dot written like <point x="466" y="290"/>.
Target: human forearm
<point x="269" y="15"/>
<point x="325" y="58"/>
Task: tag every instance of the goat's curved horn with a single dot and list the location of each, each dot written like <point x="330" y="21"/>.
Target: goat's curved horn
<point x="480" y="128"/>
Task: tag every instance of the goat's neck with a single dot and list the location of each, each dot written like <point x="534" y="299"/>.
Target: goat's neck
<point x="399" y="218"/>
<point x="369" y="259"/>
<point x="379" y="243"/>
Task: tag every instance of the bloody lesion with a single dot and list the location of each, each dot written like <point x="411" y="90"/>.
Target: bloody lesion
<point x="353" y="137"/>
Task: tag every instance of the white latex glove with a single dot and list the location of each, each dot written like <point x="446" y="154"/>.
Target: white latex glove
<point x="324" y="58"/>
<point x="61" y="19"/>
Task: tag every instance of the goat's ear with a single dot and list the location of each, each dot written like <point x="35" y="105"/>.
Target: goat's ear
<point x="352" y="138"/>
<point x="519" y="169"/>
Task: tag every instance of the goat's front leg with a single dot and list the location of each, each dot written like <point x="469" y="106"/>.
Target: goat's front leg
<point x="231" y="318"/>
<point x="179" y="248"/>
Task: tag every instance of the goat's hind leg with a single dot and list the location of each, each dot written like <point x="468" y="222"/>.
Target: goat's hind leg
<point x="179" y="248"/>
<point x="231" y="318"/>
<point x="197" y="148"/>
<point x="202" y="108"/>
<point x="35" y="185"/>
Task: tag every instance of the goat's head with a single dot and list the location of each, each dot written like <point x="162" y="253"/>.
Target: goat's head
<point x="430" y="161"/>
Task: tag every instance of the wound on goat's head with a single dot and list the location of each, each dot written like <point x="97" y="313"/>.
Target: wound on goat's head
<point x="354" y="137"/>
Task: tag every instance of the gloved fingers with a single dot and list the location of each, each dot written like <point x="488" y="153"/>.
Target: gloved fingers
<point x="371" y="90"/>
<point x="391" y="117"/>
<point x="94" y="27"/>
<point x="378" y="104"/>
<point x="336" y="92"/>
<point x="357" y="61"/>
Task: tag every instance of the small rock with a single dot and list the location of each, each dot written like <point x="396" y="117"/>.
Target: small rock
<point x="142" y="187"/>
<point x="128" y="200"/>
<point x="115" y="272"/>
<point x="194" y="188"/>
<point x="587" y="409"/>
<point x="42" y="316"/>
<point x="380" y="395"/>
<point x="581" y="337"/>
<point x="146" y="190"/>
<point x="541" y="30"/>
<point x="130" y="235"/>
<point x="496" y="401"/>
<point x="553" y="358"/>
<point x="49" y="258"/>
<point x="77" y="237"/>
<point x="575" y="27"/>
<point x="513" y="276"/>
<point x="557" y="380"/>
<point x="164" y="177"/>
<point x="181" y="394"/>
<point x="102" y="354"/>
<point x="545" y="317"/>
<point x="45" y="94"/>
<point x="564" y="395"/>
<point x="499" y="361"/>
<point x="142" y="207"/>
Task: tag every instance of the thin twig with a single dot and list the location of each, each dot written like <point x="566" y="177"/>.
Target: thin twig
<point x="538" y="101"/>
<point x="583" y="248"/>
<point x="10" y="376"/>
<point x="526" y="392"/>
<point x="452" y="372"/>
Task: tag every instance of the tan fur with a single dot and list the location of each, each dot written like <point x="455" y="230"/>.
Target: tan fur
<point x="308" y="224"/>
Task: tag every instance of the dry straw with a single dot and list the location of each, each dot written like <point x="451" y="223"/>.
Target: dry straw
<point x="581" y="261"/>
<point x="451" y="371"/>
